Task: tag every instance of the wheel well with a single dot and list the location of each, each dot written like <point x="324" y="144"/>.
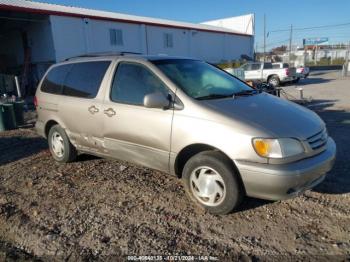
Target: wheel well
<point x="268" y="78"/>
<point x="48" y="126"/>
<point x="186" y="153"/>
<point x="191" y="150"/>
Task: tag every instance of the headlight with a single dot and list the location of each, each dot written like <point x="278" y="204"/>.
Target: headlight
<point x="277" y="148"/>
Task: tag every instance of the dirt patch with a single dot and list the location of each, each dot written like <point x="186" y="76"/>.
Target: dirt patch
<point x="103" y="209"/>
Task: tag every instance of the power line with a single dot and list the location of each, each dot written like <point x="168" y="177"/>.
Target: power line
<point x="285" y="42"/>
<point x="309" y="28"/>
<point x="274" y="43"/>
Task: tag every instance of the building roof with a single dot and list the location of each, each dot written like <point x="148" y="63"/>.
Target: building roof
<point x="60" y="10"/>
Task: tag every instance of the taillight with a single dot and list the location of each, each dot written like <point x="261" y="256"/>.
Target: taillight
<point x="287" y="71"/>
<point x="302" y="70"/>
<point x="35" y="102"/>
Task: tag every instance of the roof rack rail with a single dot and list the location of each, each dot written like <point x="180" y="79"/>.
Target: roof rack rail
<point x="103" y="54"/>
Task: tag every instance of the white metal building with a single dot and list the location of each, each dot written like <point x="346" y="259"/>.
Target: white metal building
<point x="37" y="34"/>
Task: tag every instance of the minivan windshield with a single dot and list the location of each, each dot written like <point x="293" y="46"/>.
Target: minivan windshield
<point x="201" y="80"/>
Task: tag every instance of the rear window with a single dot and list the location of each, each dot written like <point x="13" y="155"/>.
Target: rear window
<point x="53" y="81"/>
<point x="78" y="79"/>
<point x="84" y="79"/>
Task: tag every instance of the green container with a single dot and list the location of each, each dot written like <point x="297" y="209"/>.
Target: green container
<point x="9" y="118"/>
<point x="18" y="107"/>
<point x="2" y="122"/>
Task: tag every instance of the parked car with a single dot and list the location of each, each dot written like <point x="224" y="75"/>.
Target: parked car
<point x="187" y="118"/>
<point x="286" y="66"/>
<point x="264" y="72"/>
<point x="303" y="71"/>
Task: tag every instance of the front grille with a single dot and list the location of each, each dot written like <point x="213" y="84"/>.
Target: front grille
<point x="318" y="140"/>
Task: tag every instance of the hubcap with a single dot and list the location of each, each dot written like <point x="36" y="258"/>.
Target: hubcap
<point x="273" y="82"/>
<point x="57" y="144"/>
<point x="207" y="186"/>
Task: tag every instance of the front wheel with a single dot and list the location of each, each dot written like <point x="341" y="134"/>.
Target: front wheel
<point x="60" y="147"/>
<point x="211" y="181"/>
<point x="274" y="81"/>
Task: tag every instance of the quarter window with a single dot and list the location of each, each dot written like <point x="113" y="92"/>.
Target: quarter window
<point x="84" y="79"/>
<point x="53" y="82"/>
<point x="132" y="82"/>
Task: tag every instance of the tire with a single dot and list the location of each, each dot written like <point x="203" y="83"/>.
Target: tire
<point x="60" y="147"/>
<point x="212" y="171"/>
<point x="274" y="81"/>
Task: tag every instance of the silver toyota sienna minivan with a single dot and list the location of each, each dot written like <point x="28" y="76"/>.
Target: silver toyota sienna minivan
<point x="187" y="118"/>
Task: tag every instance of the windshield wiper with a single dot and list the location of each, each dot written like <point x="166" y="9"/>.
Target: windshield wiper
<point x="218" y="96"/>
<point x="213" y="96"/>
<point x="246" y="92"/>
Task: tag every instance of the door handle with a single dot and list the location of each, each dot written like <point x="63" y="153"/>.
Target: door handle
<point x="93" y="109"/>
<point x="109" y="112"/>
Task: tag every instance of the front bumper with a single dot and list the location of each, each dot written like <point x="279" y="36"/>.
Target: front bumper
<point x="275" y="182"/>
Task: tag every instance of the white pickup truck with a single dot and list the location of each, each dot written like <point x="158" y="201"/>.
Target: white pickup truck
<point x="303" y="71"/>
<point x="264" y="72"/>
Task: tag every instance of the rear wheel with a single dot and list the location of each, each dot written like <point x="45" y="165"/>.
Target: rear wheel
<point x="274" y="81"/>
<point x="211" y="181"/>
<point x="60" y="147"/>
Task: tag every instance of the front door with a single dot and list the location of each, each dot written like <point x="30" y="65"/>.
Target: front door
<point x="255" y="72"/>
<point x="133" y="132"/>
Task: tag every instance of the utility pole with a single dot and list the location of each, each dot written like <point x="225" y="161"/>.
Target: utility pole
<point x="264" y="37"/>
<point x="290" y="43"/>
<point x="305" y="53"/>
<point x="347" y="61"/>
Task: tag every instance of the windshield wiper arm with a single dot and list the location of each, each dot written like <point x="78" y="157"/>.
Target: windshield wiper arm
<point x="246" y="92"/>
<point x="218" y="96"/>
<point x="213" y="96"/>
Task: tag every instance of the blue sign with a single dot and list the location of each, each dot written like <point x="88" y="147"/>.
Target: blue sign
<point x="316" y="41"/>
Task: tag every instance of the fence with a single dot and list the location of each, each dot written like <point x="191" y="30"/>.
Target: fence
<point x="317" y="57"/>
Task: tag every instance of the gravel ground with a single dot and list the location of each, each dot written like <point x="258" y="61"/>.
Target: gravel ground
<point x="97" y="209"/>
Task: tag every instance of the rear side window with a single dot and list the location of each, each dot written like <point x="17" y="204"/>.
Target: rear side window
<point x="53" y="81"/>
<point x="84" y="79"/>
<point x="267" y="66"/>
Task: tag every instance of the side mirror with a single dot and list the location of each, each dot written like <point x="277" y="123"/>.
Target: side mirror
<point x="156" y="100"/>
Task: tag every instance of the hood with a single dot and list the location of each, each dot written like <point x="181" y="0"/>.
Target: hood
<point x="275" y="116"/>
